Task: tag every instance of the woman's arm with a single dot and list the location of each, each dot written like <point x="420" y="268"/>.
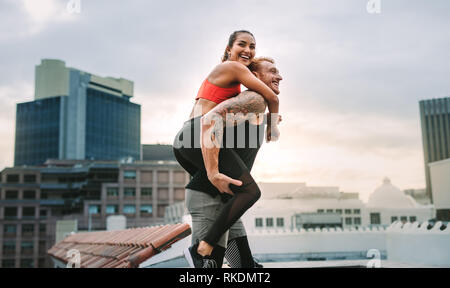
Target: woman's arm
<point x="243" y="75"/>
<point x="248" y="105"/>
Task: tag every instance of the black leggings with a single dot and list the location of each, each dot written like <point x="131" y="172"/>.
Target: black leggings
<point x="189" y="155"/>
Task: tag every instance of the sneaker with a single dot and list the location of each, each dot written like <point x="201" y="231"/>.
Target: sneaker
<point x="196" y="260"/>
<point x="209" y="263"/>
<point x="257" y="265"/>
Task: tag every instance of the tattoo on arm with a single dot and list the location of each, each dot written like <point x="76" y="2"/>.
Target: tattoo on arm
<point x="248" y="105"/>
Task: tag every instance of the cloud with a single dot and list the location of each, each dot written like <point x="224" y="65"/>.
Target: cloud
<point x="9" y="96"/>
<point x="35" y="16"/>
<point x="352" y="80"/>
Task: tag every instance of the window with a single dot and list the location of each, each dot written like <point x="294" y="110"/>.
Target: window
<point x="163" y="176"/>
<point x="348" y="211"/>
<point x="8" y="263"/>
<point x="11" y="194"/>
<point x="29" y="178"/>
<point x="329" y="210"/>
<point x="129" y="192"/>
<point x="12" y="178"/>
<point x="258" y="222"/>
<point x="10" y="212"/>
<point x="178" y="194"/>
<point x="26" y="263"/>
<point x="348" y="221"/>
<point x="94" y="209"/>
<point x="146" y="209"/>
<point x="27" y="229"/>
<point x="26" y="248"/>
<point x="320" y="211"/>
<point x="146" y="176"/>
<point x="339" y="211"/>
<point x="42" y="228"/>
<point x="412" y="219"/>
<point x="161" y="210"/>
<point x="356" y="211"/>
<point x="404" y="219"/>
<point x="112" y="192"/>
<point x="129" y="174"/>
<point x="29" y="194"/>
<point x="179" y="177"/>
<point x="393" y="219"/>
<point x="375" y="218"/>
<point x="10" y="229"/>
<point x="43" y="214"/>
<point x="269" y="222"/>
<point x="129" y="209"/>
<point x="111" y="209"/>
<point x="41" y="263"/>
<point x="357" y="221"/>
<point x="28" y="212"/>
<point x="9" y="247"/>
<point x="146" y="192"/>
<point x="163" y="194"/>
<point x="280" y="222"/>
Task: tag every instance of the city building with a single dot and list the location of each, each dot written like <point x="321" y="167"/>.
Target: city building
<point x="435" y="122"/>
<point x="156" y="152"/>
<point x="388" y="204"/>
<point x="420" y="195"/>
<point x="34" y="198"/>
<point x="287" y="206"/>
<point x="302" y="225"/>
<point x="298" y="206"/>
<point x="440" y="181"/>
<point x="76" y="115"/>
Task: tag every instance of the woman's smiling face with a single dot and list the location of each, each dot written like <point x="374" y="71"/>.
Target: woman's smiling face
<point x="243" y="49"/>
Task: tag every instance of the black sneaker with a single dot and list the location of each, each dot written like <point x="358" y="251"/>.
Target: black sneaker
<point x="257" y="265"/>
<point x="196" y="260"/>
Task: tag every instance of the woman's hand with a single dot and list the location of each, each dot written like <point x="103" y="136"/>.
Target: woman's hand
<point x="222" y="182"/>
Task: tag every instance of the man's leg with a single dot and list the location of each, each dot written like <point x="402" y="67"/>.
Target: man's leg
<point x="204" y="210"/>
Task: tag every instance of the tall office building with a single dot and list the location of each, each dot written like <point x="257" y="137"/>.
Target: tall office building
<point x="435" y="121"/>
<point x="76" y="115"/>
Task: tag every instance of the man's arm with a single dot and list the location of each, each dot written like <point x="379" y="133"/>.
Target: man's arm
<point x="248" y="105"/>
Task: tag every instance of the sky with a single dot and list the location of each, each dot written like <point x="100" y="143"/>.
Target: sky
<point x="352" y="79"/>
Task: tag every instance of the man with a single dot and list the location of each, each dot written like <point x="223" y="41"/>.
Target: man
<point x="203" y="200"/>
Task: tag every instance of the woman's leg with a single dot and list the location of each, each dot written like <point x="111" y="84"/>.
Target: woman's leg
<point x="244" y="196"/>
<point x="231" y="165"/>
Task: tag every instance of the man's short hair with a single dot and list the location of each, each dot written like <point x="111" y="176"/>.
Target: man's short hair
<point x="256" y="63"/>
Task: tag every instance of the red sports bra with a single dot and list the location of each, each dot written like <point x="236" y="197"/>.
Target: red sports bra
<point x="215" y="93"/>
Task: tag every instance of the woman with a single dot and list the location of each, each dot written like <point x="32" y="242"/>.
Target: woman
<point x="234" y="177"/>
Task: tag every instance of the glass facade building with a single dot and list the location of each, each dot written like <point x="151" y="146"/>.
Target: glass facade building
<point x="77" y="115"/>
<point x="37" y="131"/>
<point x="112" y="127"/>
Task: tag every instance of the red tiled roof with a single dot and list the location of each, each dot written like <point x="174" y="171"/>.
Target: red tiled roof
<point x="119" y="249"/>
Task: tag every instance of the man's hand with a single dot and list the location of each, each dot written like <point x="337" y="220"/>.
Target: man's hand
<point x="272" y="133"/>
<point x="222" y="182"/>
